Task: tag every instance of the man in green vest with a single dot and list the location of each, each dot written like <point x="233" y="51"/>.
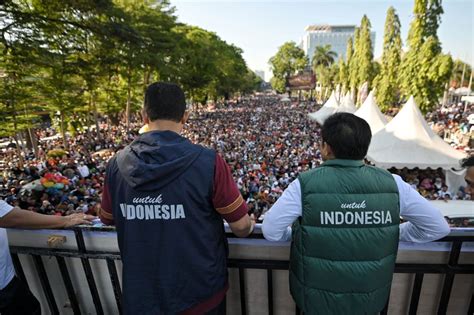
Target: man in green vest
<point x="345" y="224"/>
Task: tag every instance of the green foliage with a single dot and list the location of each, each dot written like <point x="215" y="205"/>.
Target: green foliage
<point x="343" y="79"/>
<point x="90" y="57"/>
<point x="460" y="67"/>
<point x="328" y="77"/>
<point x="352" y="61"/>
<point x="364" y="53"/>
<point x="387" y="82"/>
<point x="425" y="70"/>
<point x="287" y="61"/>
<point x="360" y="58"/>
<point x="323" y="56"/>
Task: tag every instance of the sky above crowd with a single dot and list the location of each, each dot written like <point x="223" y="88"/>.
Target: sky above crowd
<point x="260" y="27"/>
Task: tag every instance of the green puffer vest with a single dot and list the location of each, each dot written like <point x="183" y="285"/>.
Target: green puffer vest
<point x="345" y="243"/>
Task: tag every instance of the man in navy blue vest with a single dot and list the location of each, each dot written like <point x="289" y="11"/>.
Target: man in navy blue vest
<point x="168" y="198"/>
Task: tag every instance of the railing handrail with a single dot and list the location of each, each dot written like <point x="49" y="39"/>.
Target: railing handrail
<point x="449" y="269"/>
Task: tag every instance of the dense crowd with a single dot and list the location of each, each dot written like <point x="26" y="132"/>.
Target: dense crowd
<point x="454" y="123"/>
<point x="266" y="143"/>
<point x="60" y="180"/>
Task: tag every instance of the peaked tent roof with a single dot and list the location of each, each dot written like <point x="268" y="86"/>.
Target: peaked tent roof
<point x="370" y="112"/>
<point x="347" y="105"/>
<point x="327" y="110"/>
<point x="408" y="141"/>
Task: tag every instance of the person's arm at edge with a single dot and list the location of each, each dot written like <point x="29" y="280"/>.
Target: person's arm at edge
<point x="228" y="201"/>
<point x="14" y="217"/>
<point x="277" y="222"/>
<point x="105" y="210"/>
<point x="425" y="223"/>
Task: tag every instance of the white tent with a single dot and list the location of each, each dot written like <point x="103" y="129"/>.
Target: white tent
<point x="370" y="112"/>
<point x="347" y="105"/>
<point x="408" y="141"/>
<point x="327" y="110"/>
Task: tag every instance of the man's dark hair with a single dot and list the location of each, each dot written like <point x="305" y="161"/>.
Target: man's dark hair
<point x="348" y="135"/>
<point x="164" y="101"/>
<point x="468" y="162"/>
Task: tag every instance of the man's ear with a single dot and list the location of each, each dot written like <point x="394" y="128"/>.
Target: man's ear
<point x="326" y="150"/>
<point x="146" y="120"/>
<point x="185" y="117"/>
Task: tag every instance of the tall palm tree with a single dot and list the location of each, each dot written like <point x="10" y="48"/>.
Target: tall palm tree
<point x="324" y="56"/>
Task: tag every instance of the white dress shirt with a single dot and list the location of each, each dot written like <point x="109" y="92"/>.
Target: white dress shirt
<point x="425" y="223"/>
<point x="6" y="265"/>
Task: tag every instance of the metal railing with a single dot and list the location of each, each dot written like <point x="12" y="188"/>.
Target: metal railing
<point x="450" y="270"/>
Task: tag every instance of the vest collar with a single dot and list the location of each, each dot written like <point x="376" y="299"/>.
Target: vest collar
<point x="344" y="163"/>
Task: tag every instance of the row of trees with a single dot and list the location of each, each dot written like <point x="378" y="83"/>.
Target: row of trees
<point x="85" y="58"/>
<point x="423" y="71"/>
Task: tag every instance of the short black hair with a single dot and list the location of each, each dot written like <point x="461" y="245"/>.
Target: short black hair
<point x="164" y="101"/>
<point x="468" y="162"/>
<point x="348" y="135"/>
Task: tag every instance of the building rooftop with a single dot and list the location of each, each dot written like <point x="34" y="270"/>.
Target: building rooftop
<point x="329" y="28"/>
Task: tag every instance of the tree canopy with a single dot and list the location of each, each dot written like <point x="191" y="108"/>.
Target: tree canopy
<point x="287" y="61"/>
<point x="89" y="56"/>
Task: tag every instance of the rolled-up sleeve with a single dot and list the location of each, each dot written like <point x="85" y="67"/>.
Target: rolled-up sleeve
<point x="227" y="199"/>
<point x="277" y="222"/>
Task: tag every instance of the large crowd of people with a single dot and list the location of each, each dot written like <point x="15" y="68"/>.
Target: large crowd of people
<point x="454" y="123"/>
<point x="266" y="143"/>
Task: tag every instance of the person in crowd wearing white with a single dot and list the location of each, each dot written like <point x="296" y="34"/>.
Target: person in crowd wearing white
<point x="83" y="170"/>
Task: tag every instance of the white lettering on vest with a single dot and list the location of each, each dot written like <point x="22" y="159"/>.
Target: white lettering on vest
<point x="150" y="208"/>
<point x="355" y="218"/>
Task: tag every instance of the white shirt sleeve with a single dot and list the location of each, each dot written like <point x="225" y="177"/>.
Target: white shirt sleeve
<point x="4" y="208"/>
<point x="277" y="222"/>
<point x="425" y="222"/>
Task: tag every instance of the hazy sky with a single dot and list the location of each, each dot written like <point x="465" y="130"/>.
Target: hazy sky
<point x="260" y="27"/>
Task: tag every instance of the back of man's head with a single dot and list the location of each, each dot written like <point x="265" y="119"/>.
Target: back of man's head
<point x="164" y="101"/>
<point x="348" y="136"/>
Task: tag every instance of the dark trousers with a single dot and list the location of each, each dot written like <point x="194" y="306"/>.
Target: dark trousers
<point x="17" y="299"/>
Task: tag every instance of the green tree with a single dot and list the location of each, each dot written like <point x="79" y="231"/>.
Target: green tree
<point x="328" y="78"/>
<point x="288" y="60"/>
<point x="387" y="82"/>
<point x="353" y="60"/>
<point x="323" y="56"/>
<point x="343" y="76"/>
<point x="365" y="54"/>
<point x="425" y="70"/>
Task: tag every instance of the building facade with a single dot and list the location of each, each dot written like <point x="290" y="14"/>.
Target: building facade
<point x="334" y="35"/>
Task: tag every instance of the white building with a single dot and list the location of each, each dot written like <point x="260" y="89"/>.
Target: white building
<point x="334" y="35"/>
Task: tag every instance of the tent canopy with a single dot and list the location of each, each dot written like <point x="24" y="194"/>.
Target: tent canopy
<point x="327" y="110"/>
<point x="332" y="106"/>
<point x="347" y="105"/>
<point x="370" y="112"/>
<point x="408" y="141"/>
